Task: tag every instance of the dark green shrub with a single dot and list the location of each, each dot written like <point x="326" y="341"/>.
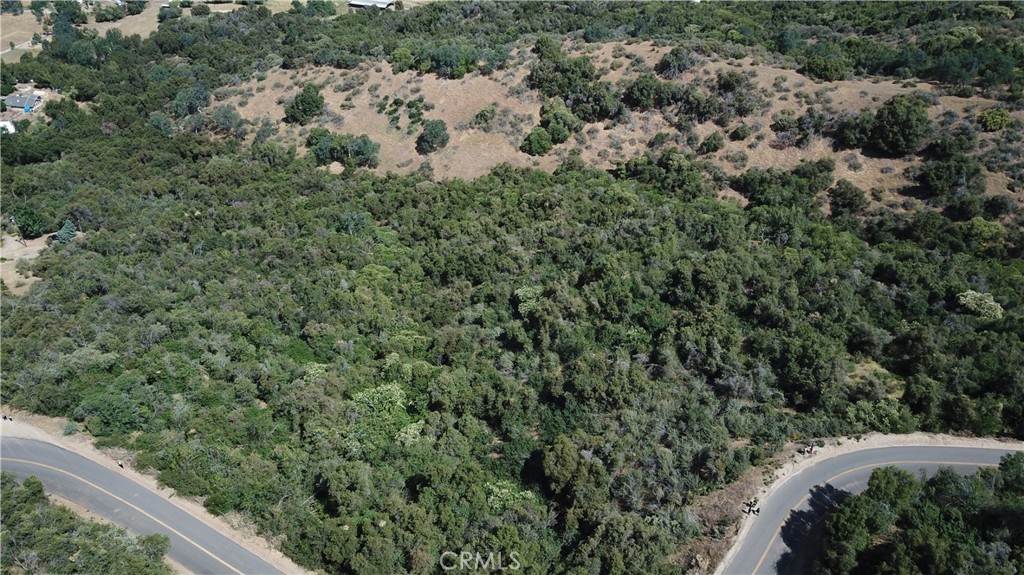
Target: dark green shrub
<point x="712" y="143"/>
<point x="484" y="117"/>
<point x="785" y="121"/>
<point x="109" y="13"/>
<point x="673" y="64"/>
<point x="998" y="206"/>
<point x="30" y="223"/>
<point x="658" y="140"/>
<point x="537" y="142"/>
<point x="350" y="151"/>
<point x="949" y="145"/>
<point x="647" y="92"/>
<point x="598" y="32"/>
<point x="956" y="176"/>
<point x="167" y="13"/>
<point x="824" y="68"/>
<point x="320" y="8"/>
<point x="228" y="121"/>
<point x="451" y="60"/>
<point x="595" y="102"/>
<point x="559" y="121"/>
<point x="846" y="199"/>
<point x="433" y="137"/>
<point x="742" y="132"/>
<point x="574" y="80"/>
<point x="901" y="125"/>
<point x="307" y="105"/>
<point x="854" y="130"/>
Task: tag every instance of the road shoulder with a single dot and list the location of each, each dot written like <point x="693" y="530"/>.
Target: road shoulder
<point x="50" y="430"/>
<point x="797" y="463"/>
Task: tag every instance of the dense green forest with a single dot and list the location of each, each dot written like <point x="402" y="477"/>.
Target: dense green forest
<point x="40" y="537"/>
<point x="943" y="525"/>
<point x="381" y="368"/>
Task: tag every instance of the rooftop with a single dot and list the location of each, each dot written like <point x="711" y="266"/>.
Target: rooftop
<point x="22" y="100"/>
<point x="383" y="4"/>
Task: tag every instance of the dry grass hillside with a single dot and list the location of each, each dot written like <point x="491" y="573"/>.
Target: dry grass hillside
<point x="19" y="29"/>
<point x="353" y="98"/>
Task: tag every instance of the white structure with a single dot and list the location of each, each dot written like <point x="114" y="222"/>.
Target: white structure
<point x="8" y="127"/>
<point x="379" y="4"/>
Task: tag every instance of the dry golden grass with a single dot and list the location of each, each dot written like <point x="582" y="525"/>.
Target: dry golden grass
<point x="11" y="251"/>
<point x="472" y="152"/>
<point x="143" y="24"/>
<point x="19" y="29"/>
<point x="11" y="56"/>
<point x="618" y="61"/>
<point x="469" y="153"/>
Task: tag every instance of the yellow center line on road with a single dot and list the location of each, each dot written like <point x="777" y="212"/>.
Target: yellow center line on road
<point x="128" y="503"/>
<point x="778" y="530"/>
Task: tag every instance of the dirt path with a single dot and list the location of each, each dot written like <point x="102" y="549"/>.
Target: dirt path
<point x="50" y="430"/>
<point x="25" y="44"/>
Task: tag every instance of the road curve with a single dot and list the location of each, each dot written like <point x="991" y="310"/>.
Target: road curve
<point x="194" y="545"/>
<point x="803" y="496"/>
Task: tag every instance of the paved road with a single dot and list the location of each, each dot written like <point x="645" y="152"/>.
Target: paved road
<point x="802" y="499"/>
<point x="196" y="546"/>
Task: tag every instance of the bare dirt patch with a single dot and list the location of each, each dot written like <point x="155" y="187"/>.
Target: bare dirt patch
<point x="11" y="252"/>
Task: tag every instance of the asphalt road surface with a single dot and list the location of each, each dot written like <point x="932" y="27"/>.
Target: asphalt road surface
<point x="802" y="500"/>
<point x="195" y="545"/>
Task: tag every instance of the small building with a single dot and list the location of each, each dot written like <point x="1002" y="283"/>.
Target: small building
<point x="378" y="4"/>
<point x="26" y="102"/>
<point x="8" y="127"/>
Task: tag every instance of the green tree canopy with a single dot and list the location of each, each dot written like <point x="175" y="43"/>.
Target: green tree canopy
<point x="901" y="125"/>
<point x="433" y="137"/>
<point x="306" y="106"/>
